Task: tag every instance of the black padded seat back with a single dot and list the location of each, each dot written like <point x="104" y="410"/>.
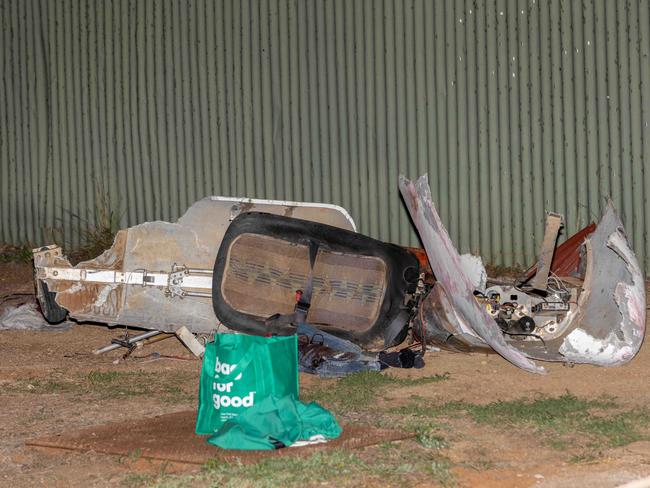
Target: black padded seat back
<point x="359" y="283"/>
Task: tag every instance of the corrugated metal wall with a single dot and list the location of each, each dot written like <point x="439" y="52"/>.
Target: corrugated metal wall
<point x="512" y="107"/>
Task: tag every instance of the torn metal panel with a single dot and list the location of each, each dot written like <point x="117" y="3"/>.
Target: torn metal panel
<point x="605" y="325"/>
<point x="446" y="265"/>
<point x="612" y="310"/>
<point x="151" y="276"/>
<point x="474" y="269"/>
<point x="437" y="322"/>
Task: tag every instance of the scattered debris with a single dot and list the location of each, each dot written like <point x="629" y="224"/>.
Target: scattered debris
<point x="140" y="280"/>
<point x="597" y="319"/>
<point x="404" y="358"/>
<point x="131" y="342"/>
<point x="467" y="317"/>
<point x="191" y="342"/>
<point x="330" y="356"/>
<point x="265" y="267"/>
<point x="28" y="317"/>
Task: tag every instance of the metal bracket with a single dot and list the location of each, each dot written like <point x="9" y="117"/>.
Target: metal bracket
<point x="235" y="210"/>
<point x="551" y="231"/>
<point x="46" y="253"/>
<point x="175" y="281"/>
<point x="180" y="282"/>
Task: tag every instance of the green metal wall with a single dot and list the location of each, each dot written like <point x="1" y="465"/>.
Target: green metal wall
<point x="512" y="107"/>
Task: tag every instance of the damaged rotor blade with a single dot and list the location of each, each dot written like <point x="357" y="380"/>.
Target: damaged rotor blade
<point x="446" y="265"/>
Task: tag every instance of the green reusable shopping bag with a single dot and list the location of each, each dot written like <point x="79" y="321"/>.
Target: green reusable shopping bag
<point x="276" y="422"/>
<point x="239" y="371"/>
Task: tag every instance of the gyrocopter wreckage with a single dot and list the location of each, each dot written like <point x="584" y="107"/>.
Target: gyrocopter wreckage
<point x="273" y="267"/>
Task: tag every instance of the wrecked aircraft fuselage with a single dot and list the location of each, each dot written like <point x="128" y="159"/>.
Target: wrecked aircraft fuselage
<point x="158" y="275"/>
<point x="305" y="263"/>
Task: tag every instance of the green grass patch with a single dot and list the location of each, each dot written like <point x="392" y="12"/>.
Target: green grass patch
<point x="567" y="422"/>
<point x="118" y="384"/>
<point x="138" y="479"/>
<point x="441" y="471"/>
<point x="359" y="391"/>
<point x="421" y="409"/>
<point x="479" y="464"/>
<point x="105" y="385"/>
<point x="290" y="471"/>
<point x="618" y="429"/>
<point x="45" y="386"/>
<point x="399" y="466"/>
<point x="558" y="413"/>
<point x="338" y="465"/>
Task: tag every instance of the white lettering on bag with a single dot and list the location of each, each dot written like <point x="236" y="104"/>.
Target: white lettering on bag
<point x="224" y="368"/>
<point x="222" y="387"/>
<point x="235" y="401"/>
<point x="220" y="397"/>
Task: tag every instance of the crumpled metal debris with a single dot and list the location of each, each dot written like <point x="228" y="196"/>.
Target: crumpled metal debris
<point x="446" y="265"/>
<point x="593" y="313"/>
<point x="139" y="280"/>
<point x="329" y="356"/>
<point x="610" y="325"/>
<point x="601" y="321"/>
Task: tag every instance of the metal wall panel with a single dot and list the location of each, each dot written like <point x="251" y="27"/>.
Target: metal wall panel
<point x="511" y="106"/>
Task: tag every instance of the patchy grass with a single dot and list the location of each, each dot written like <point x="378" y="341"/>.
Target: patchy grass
<point x="96" y="233"/>
<point x="620" y="429"/>
<point x="39" y="386"/>
<point x="359" y="391"/>
<point x="423" y="410"/>
<point x="567" y="422"/>
<point x="441" y="471"/>
<point x="337" y="465"/>
<point x="430" y="440"/>
<point x="401" y="465"/>
<point x="330" y="466"/>
<point x="584" y="458"/>
<point x="104" y="385"/>
<point x="479" y="464"/>
<point x="139" y="479"/>
<point x="542" y="413"/>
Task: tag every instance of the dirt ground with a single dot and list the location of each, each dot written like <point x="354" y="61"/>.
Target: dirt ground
<point x="51" y="382"/>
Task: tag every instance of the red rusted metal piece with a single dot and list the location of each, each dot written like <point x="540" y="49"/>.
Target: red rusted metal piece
<point x="566" y="260"/>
